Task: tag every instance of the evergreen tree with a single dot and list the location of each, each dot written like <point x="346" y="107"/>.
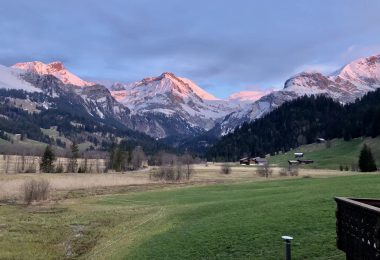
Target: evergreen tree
<point x="47" y="160"/>
<point x="117" y="158"/>
<point x="112" y="156"/>
<point x="73" y="164"/>
<point x="120" y="157"/>
<point x="366" y="161"/>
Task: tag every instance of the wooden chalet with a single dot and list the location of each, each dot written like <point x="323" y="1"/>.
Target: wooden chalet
<point x="246" y="161"/>
<point x="256" y="160"/>
<point x="303" y="161"/>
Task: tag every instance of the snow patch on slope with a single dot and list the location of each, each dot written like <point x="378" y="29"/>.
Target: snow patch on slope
<point x="10" y="79"/>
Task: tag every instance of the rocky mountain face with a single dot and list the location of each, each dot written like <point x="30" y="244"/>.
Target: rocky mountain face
<point x="96" y="99"/>
<point x="170" y="105"/>
<point x="158" y="106"/>
<point x="346" y="85"/>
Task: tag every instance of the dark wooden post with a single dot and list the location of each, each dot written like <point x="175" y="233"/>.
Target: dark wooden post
<point x="288" y="252"/>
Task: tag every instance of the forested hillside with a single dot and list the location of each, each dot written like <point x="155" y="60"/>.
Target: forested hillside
<point x="300" y="122"/>
<point x="68" y="117"/>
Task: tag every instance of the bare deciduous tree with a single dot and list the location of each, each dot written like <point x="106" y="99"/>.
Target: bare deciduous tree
<point x="172" y="168"/>
<point x="138" y="157"/>
<point x="188" y="161"/>
<point x="264" y="170"/>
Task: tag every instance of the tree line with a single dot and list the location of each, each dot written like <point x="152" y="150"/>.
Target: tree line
<point x="70" y="118"/>
<point x="300" y="122"/>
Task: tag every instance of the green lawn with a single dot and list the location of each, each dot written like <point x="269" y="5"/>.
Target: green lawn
<point x="341" y="152"/>
<point x="51" y="132"/>
<point x="224" y="221"/>
<point x="2" y="141"/>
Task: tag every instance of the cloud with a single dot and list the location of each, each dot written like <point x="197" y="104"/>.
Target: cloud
<point x="224" y="46"/>
<point x="248" y="95"/>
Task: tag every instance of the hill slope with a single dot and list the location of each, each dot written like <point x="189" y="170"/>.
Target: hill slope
<point x="300" y="122"/>
<point x="345" y="153"/>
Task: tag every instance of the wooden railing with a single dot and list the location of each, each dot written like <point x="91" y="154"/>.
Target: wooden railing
<point x="358" y="228"/>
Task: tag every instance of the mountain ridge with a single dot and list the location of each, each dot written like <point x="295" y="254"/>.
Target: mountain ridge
<point x="168" y="105"/>
<point x="351" y="82"/>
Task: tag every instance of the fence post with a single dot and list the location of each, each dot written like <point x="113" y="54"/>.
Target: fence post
<point x="287" y="240"/>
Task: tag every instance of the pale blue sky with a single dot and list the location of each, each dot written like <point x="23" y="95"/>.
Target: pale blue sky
<point x="223" y="45"/>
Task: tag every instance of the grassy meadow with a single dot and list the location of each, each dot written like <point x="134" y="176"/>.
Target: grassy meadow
<point x="227" y="218"/>
<point x="341" y="152"/>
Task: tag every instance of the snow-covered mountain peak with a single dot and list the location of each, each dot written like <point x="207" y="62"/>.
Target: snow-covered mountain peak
<point x="172" y="99"/>
<point x="363" y="72"/>
<point x="168" y="75"/>
<point x="166" y="83"/>
<point x="345" y="85"/>
<point x="56" y="68"/>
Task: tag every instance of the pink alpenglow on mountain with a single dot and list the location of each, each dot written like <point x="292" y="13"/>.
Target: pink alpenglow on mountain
<point x="56" y="69"/>
<point x="248" y="95"/>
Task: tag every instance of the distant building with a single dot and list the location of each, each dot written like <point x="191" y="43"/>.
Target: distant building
<point x="305" y="161"/>
<point x="300" y="161"/>
<point x="256" y="160"/>
<point x="260" y="161"/>
<point x="298" y="155"/>
<point x="293" y="162"/>
<point x="17" y="137"/>
<point x="246" y="161"/>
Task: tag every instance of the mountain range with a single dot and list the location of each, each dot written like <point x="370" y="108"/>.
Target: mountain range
<point x="352" y="81"/>
<point x="305" y="120"/>
<point x="168" y="106"/>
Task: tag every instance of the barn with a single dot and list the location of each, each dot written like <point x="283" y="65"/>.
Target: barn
<point x="256" y="160"/>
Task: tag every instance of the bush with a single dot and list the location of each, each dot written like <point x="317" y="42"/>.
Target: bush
<point x="283" y="172"/>
<point x="59" y="168"/>
<point x="264" y="171"/>
<point x="225" y="169"/>
<point x="82" y="169"/>
<point x="354" y="167"/>
<point x="172" y="173"/>
<point x="293" y="171"/>
<point x="36" y="190"/>
<point x="174" y="168"/>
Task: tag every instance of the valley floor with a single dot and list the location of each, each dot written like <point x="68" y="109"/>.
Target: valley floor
<point x="213" y="216"/>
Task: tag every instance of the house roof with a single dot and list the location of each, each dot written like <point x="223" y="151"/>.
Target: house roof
<point x="258" y="159"/>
